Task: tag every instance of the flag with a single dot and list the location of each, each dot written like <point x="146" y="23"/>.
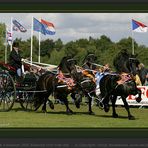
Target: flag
<point x="9" y="37"/>
<point x="138" y="26"/>
<point x="49" y="27"/>
<point x="38" y="26"/>
<point x="17" y="26"/>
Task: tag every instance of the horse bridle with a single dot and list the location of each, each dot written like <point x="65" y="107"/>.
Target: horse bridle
<point x="71" y="60"/>
<point x="130" y="62"/>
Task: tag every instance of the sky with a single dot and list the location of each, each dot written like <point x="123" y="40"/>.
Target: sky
<point x="73" y="26"/>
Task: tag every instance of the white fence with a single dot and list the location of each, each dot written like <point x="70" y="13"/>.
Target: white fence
<point x="131" y="99"/>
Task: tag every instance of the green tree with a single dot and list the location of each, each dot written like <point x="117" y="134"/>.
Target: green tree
<point x="46" y="47"/>
<point x="2" y="41"/>
<point x="126" y="43"/>
<point x="58" y="44"/>
<point x="71" y="49"/>
<point x="82" y="43"/>
<point x="103" y="43"/>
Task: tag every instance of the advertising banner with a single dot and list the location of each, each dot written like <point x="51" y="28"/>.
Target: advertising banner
<point x="131" y="99"/>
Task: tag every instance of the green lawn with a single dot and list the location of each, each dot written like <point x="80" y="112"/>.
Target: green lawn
<point x="58" y="118"/>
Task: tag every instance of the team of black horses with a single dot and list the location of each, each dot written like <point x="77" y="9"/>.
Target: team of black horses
<point x="79" y="83"/>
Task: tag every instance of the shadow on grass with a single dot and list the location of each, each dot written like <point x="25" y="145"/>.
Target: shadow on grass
<point x="21" y="109"/>
<point x="65" y="113"/>
<point x="110" y="116"/>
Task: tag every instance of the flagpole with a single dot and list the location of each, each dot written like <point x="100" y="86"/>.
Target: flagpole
<point x="133" y="50"/>
<point x="6" y="46"/>
<point x="132" y="38"/>
<point x="11" y="32"/>
<point x="39" y="57"/>
<point x="31" y="40"/>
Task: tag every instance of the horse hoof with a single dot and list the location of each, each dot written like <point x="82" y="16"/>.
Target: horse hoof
<point x="77" y="105"/>
<point x="91" y="113"/>
<point x="138" y="99"/>
<point x="44" y="111"/>
<point x="51" y="105"/>
<point x="69" y="113"/>
<point x="131" y="118"/>
<point x="115" y="115"/>
<point x="35" y="109"/>
<point x="106" y="109"/>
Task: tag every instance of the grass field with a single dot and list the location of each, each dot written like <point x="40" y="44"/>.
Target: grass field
<point x="57" y="118"/>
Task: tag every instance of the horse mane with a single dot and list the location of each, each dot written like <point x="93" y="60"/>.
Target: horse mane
<point x="120" y="60"/>
<point x="63" y="64"/>
<point x="90" y="58"/>
<point x="67" y="67"/>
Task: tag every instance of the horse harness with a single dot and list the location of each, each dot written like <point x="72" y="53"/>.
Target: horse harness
<point x="68" y="80"/>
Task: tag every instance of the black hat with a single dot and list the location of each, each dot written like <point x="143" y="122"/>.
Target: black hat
<point x="15" y="44"/>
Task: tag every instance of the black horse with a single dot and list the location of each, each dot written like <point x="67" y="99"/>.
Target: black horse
<point x="86" y="86"/>
<point x="111" y="88"/>
<point x="85" y="82"/>
<point x="50" y="83"/>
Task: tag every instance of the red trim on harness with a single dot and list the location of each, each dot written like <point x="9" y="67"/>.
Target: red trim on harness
<point x="69" y="81"/>
<point x="7" y="66"/>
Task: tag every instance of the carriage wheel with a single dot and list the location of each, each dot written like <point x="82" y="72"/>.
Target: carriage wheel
<point x="27" y="101"/>
<point x="7" y="91"/>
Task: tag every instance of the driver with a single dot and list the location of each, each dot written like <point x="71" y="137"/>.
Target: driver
<point x="15" y="59"/>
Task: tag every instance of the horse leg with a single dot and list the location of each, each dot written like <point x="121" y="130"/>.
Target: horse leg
<point x="130" y="117"/>
<point x="90" y="105"/>
<point x="37" y="101"/>
<point x="45" y="102"/>
<point x="64" y="99"/>
<point x="77" y="99"/>
<point x="138" y="99"/>
<point x="50" y="103"/>
<point x="106" y="102"/>
<point x="113" y="100"/>
<point x="68" y="110"/>
<point x="44" y="105"/>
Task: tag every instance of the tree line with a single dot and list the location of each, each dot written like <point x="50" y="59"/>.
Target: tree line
<point x="52" y="51"/>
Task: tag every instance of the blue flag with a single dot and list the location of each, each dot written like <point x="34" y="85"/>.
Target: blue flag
<point x="37" y="26"/>
<point x="49" y="27"/>
<point x="138" y="26"/>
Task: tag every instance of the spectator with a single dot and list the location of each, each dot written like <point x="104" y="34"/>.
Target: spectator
<point x="106" y="68"/>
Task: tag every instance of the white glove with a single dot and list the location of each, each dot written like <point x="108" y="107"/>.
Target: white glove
<point x="22" y="60"/>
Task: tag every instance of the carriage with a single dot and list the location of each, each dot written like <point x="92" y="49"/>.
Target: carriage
<point x="10" y="89"/>
<point x="14" y="90"/>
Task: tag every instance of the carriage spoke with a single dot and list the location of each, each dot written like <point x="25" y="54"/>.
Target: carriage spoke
<point x="7" y="91"/>
<point x="27" y="101"/>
